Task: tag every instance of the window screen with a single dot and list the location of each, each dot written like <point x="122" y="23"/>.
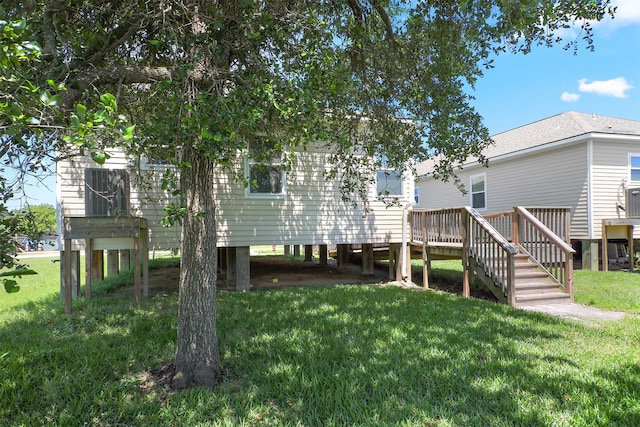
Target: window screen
<point x="106" y="192"/>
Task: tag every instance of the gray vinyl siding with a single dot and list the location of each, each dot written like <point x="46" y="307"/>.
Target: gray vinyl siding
<point x="610" y="168"/>
<point x="541" y="178"/>
<point x="312" y="211"/>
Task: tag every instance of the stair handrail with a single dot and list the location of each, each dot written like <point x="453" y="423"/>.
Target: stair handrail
<point x="495" y="255"/>
<point x="563" y="275"/>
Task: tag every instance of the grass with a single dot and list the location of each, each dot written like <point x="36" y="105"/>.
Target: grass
<point x="324" y="356"/>
<point x="615" y="290"/>
<point x="34" y="288"/>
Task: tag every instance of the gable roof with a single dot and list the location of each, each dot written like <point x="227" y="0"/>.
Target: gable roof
<point x="556" y="128"/>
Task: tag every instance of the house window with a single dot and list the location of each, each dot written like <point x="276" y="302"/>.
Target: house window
<point x="479" y="192"/>
<point x="266" y="178"/>
<point x="416" y="195"/>
<point x="106" y="192"/>
<point x="388" y="183"/>
<point x="634" y="168"/>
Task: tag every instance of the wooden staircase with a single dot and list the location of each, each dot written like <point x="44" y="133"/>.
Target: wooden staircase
<point x="521" y="259"/>
<point x="533" y="284"/>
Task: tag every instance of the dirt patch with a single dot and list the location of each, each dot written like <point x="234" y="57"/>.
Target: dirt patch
<point x="269" y="272"/>
<point x="276" y="272"/>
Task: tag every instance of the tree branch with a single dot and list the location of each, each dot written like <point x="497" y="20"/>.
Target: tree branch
<point x="131" y="75"/>
<point x="385" y="19"/>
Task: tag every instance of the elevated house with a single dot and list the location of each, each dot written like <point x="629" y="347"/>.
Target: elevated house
<point x="588" y="163"/>
<point x="284" y="206"/>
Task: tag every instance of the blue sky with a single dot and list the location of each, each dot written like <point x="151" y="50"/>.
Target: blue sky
<point x="525" y="88"/>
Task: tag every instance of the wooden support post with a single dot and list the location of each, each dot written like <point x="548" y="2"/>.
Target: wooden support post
<point x="222" y="261"/>
<point x="97" y="266"/>
<point x="395" y="272"/>
<point x="324" y="254"/>
<point x="426" y="261"/>
<point x="231" y="265"/>
<point x="407" y="273"/>
<point x="88" y="265"/>
<point x="243" y="272"/>
<point x="144" y="247"/>
<point x="466" y="267"/>
<point x="342" y="256"/>
<point x="426" y="266"/>
<point x="367" y="259"/>
<point x="287" y="250"/>
<point x="75" y="273"/>
<point x="112" y="262"/>
<point x="296" y="251"/>
<point x="67" y="268"/>
<point x="308" y="253"/>
<point x="605" y="250"/>
<point x="590" y="255"/>
<point x="630" y="247"/>
<point x="125" y="259"/>
<point x="392" y="260"/>
<point x="136" y="270"/>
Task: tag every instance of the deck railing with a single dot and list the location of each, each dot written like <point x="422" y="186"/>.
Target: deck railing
<point x="555" y="219"/>
<point x="491" y="241"/>
<point x="437" y="226"/>
<point x="479" y="240"/>
<point x="492" y="252"/>
<point x="544" y="245"/>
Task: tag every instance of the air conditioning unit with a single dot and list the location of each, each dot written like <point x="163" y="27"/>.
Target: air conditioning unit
<point x="632" y="202"/>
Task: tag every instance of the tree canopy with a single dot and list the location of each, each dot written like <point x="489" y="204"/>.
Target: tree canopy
<point x="201" y="79"/>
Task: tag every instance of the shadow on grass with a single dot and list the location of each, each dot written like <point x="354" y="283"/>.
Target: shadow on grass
<point x="358" y="355"/>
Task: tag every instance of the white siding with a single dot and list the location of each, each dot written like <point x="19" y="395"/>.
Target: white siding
<point x="311" y="213"/>
<point x="541" y="178"/>
<point x="71" y="190"/>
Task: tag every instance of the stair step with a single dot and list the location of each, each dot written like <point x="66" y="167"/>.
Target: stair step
<point x="536" y="287"/>
<point x="530" y="274"/>
<point x="543" y="298"/>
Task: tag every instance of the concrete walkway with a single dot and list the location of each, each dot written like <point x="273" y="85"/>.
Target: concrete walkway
<point x="576" y="311"/>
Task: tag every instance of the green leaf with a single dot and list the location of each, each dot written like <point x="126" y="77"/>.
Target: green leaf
<point x="81" y="111"/>
<point x="11" y="286"/>
<point x="99" y="158"/>
<point x="18" y="273"/>
<point x="54" y="101"/>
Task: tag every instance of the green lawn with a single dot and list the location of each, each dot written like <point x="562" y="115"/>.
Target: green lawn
<point x="340" y="355"/>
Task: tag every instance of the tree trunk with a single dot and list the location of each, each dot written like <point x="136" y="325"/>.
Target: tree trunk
<point x="197" y="360"/>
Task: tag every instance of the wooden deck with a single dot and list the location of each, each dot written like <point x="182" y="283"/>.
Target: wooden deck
<point x="518" y="255"/>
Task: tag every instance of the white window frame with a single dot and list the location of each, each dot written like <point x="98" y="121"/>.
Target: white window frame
<point x="248" y="163"/>
<point x="483" y="178"/>
<point x="633" y="168"/>
<point x="390" y="196"/>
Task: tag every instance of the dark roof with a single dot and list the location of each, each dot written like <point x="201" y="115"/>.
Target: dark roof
<point x="552" y="129"/>
<point x="557" y="128"/>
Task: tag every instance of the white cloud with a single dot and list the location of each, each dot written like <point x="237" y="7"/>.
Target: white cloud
<point x="569" y="97"/>
<point x="615" y="87"/>
<point x="627" y="13"/>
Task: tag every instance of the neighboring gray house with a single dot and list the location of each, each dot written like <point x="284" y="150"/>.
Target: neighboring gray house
<point x="582" y="161"/>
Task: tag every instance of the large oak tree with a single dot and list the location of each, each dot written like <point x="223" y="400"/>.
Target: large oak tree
<point x="202" y="79"/>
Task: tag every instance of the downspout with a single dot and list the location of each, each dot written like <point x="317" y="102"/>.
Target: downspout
<point x="405" y="221"/>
